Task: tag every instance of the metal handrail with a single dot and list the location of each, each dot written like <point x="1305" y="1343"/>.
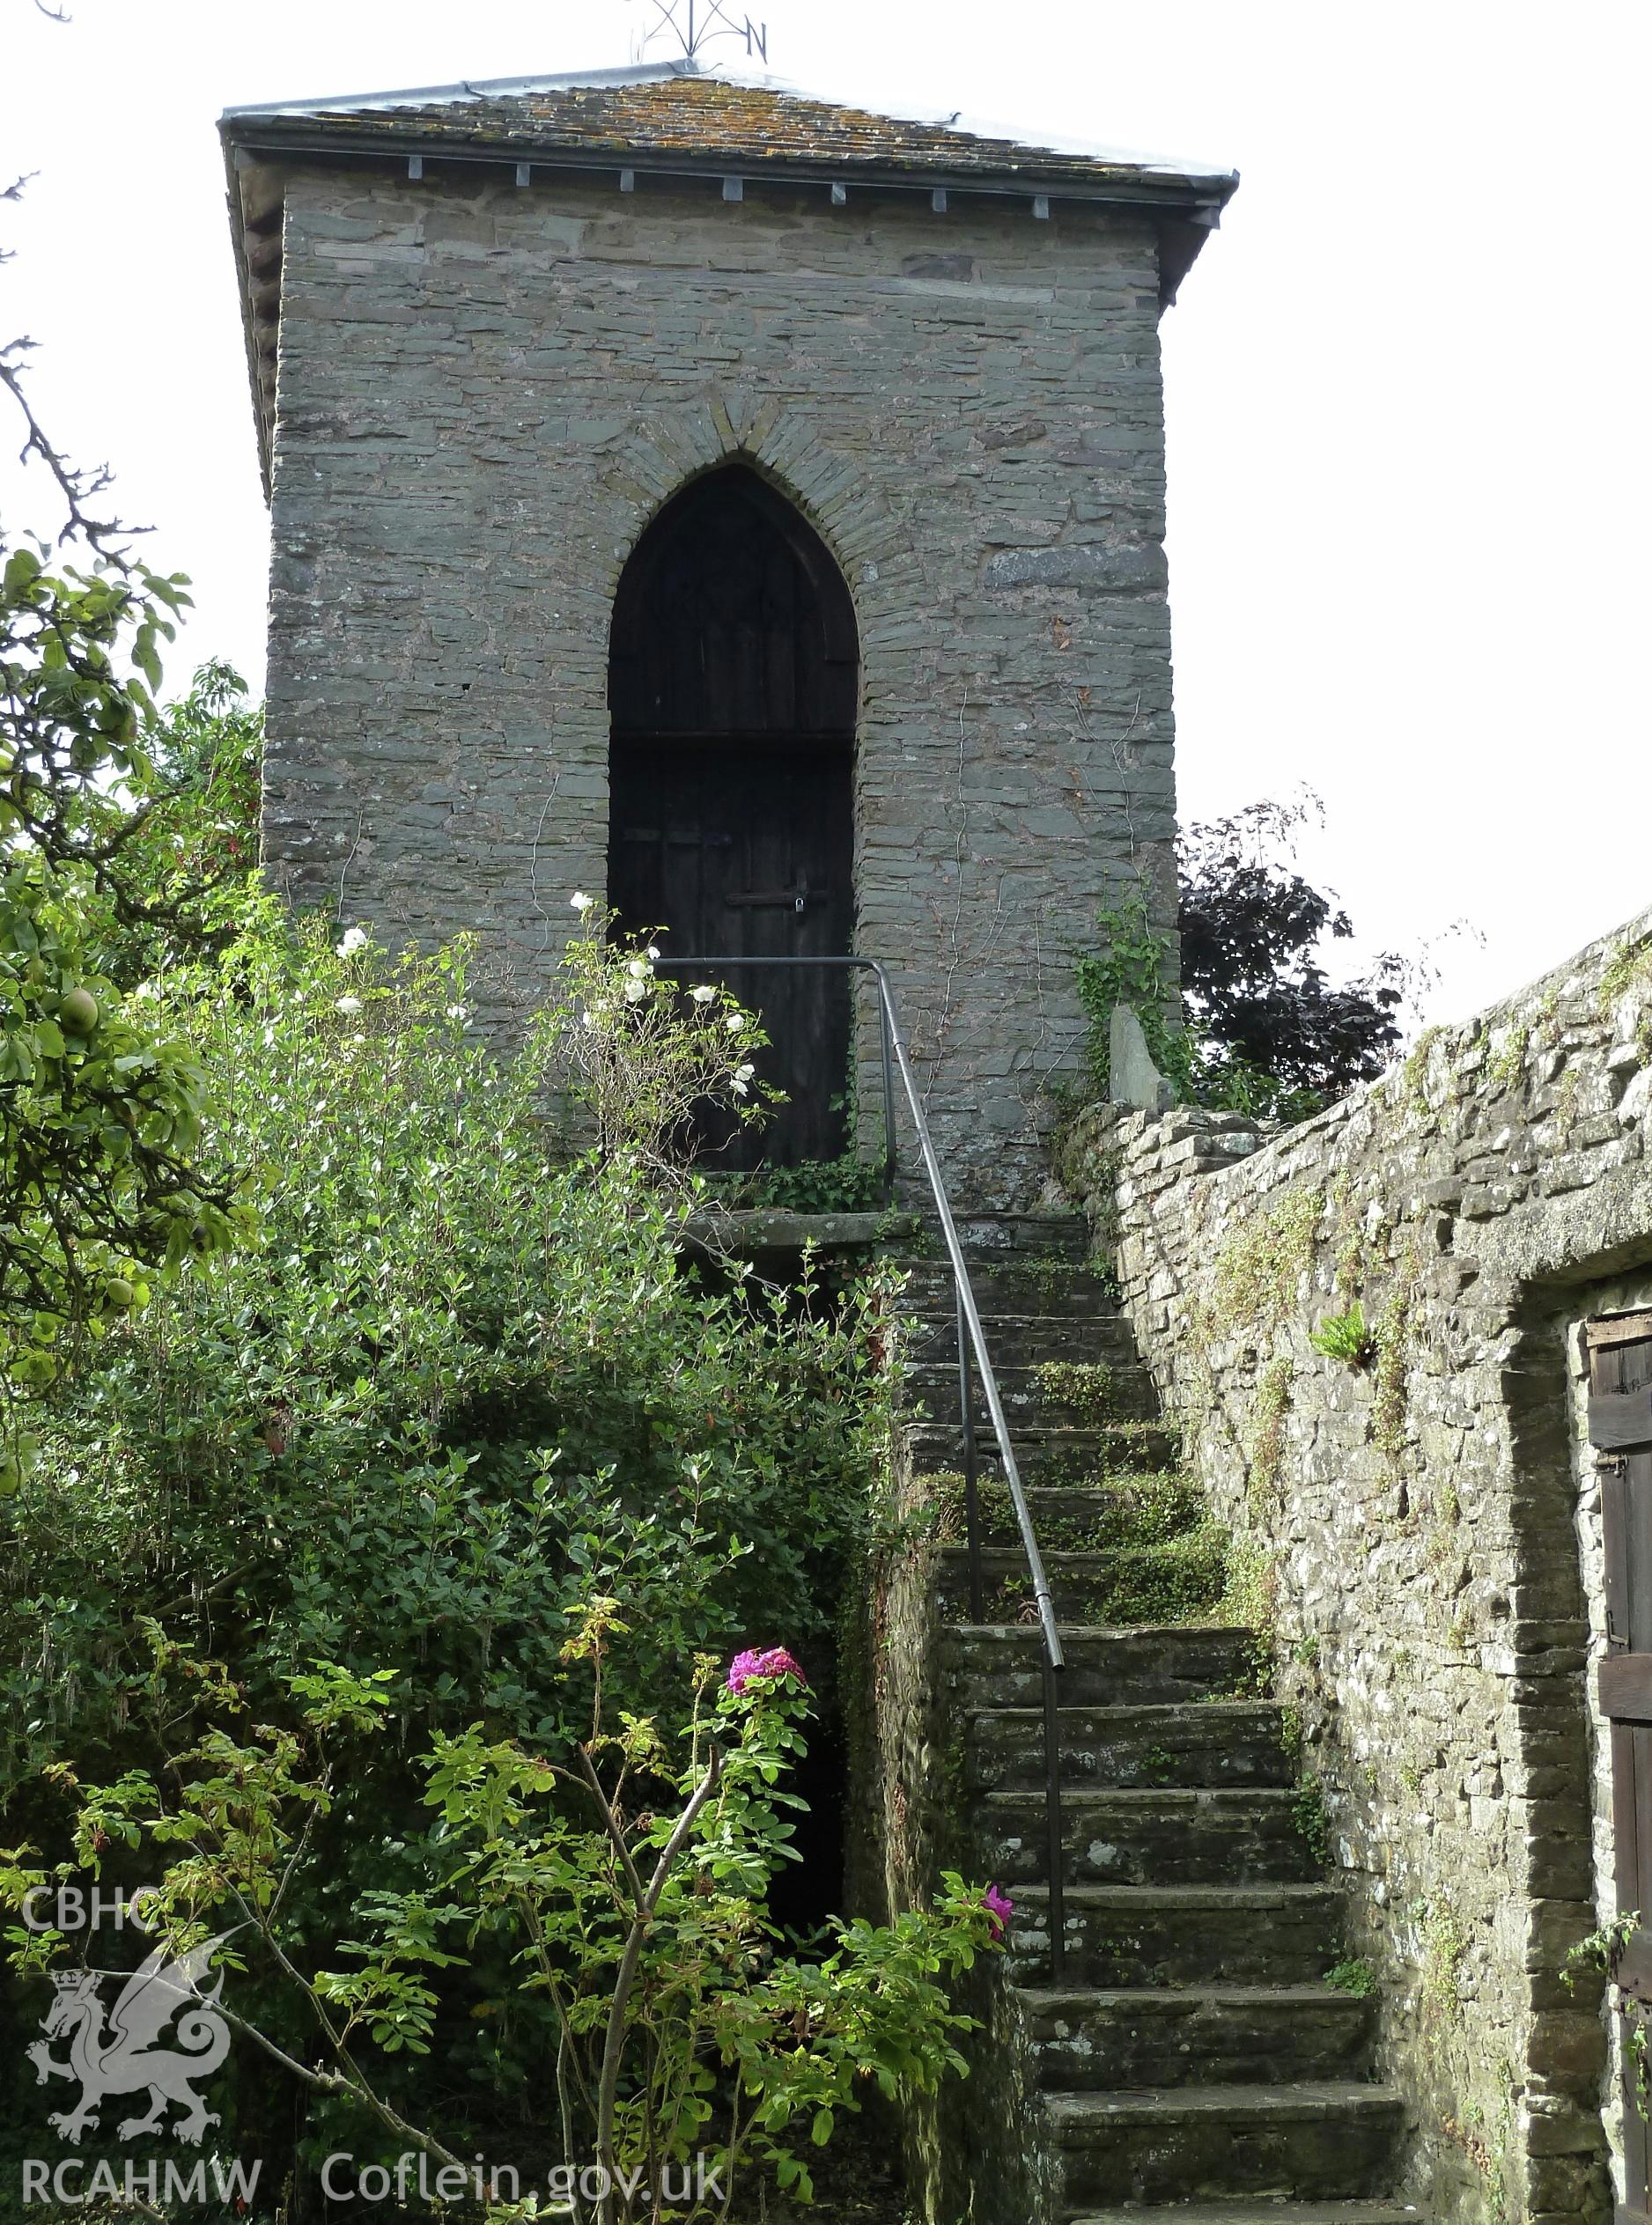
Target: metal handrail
<point x="971" y="1343"/>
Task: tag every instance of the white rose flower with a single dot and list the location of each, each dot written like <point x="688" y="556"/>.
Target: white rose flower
<point x="735" y="1023"/>
<point x="637" y="967"/>
<point x="581" y="903"/>
<point x="354" y="938"/>
<point x="744" y="1073"/>
<point x="348" y="1006"/>
<point x="739" y="1087"/>
<point x="459" y="1011"/>
<point x="636" y="990"/>
<point x="653" y="952"/>
<point x="704" y="994"/>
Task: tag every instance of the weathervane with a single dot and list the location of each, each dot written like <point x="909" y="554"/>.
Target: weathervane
<point x="694" y="24"/>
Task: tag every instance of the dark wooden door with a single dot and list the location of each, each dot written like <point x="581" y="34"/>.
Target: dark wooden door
<point x="739" y="851"/>
<point x="1620" y="1428"/>
<point x="733" y="682"/>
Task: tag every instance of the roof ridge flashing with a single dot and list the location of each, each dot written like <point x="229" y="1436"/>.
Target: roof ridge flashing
<point x="476" y="89"/>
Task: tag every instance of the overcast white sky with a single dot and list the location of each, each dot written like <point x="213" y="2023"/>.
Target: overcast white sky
<point x="1407" y="382"/>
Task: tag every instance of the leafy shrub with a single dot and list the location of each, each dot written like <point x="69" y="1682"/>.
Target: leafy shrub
<point x="457" y="1384"/>
<point x="626" y="1891"/>
<point x="1244" y="1018"/>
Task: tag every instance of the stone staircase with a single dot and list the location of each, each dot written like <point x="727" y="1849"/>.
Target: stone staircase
<point x="1195" y="2062"/>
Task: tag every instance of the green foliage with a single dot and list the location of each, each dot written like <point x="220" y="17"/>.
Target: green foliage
<point x="1601" y="1952"/>
<point x="1390" y="1405"/>
<point x="1309" y="1810"/>
<point x="1355" y="1976"/>
<point x="651" y="1063"/>
<point x="1255" y="1272"/>
<point x="1088" y="1386"/>
<point x="1626" y="968"/>
<point x="102" y="1096"/>
<point x="1507" y="1062"/>
<point x="1267" y="1441"/>
<point x="1254" y="1026"/>
<point x="1347" y="1337"/>
<point x="1132" y="968"/>
<point x="622" y="1892"/>
<point x="847" y="1185"/>
<point x="1599" y="1955"/>
<point x="1444" y="1945"/>
<point x="191" y="848"/>
<point x="455" y="1384"/>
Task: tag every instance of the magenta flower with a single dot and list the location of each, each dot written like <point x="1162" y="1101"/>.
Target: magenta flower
<point x="746" y="1668"/>
<point x="1000" y="1908"/>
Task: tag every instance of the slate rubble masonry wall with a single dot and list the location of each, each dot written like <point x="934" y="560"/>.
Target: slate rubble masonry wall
<point x="483" y="395"/>
<point x="1427" y="1530"/>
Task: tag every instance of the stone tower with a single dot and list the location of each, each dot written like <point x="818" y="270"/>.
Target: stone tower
<point x="750" y="506"/>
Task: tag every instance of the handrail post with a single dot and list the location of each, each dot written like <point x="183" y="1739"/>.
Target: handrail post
<point x="888" y="1098"/>
<point x="1052" y="1819"/>
<point x="971" y="1495"/>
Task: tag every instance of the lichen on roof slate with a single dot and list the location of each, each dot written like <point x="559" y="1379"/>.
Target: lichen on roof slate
<point x="704" y="116"/>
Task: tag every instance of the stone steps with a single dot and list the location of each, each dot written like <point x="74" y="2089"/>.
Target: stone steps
<point x="1177" y="2144"/>
<point x="1210" y="2034"/>
<point x="998" y="1665"/>
<point x="1049" y="1457"/>
<point x="1106" y="1512"/>
<point x="1006" y="1288"/>
<point x="1210" y="1744"/>
<point x="1028" y="1340"/>
<point x="1179" y="1935"/>
<point x="1132" y="1583"/>
<point x="1194" y="2067"/>
<point x="1248" y="1837"/>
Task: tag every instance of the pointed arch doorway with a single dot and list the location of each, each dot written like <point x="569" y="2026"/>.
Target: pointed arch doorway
<point x="733" y="685"/>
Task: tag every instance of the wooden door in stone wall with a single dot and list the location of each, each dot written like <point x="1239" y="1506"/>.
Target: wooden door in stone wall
<point x="733" y="682"/>
<point x="1620" y="1429"/>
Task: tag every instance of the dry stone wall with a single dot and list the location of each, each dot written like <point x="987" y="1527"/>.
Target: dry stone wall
<point x="483" y="395"/>
<point x="1422" y="1530"/>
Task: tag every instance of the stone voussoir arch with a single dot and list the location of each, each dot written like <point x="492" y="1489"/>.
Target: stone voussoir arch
<point x="829" y="491"/>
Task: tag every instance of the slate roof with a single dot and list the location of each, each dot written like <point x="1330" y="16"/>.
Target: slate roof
<point x="713" y="119"/>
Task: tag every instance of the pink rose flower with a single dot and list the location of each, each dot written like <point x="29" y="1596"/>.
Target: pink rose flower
<point x="999" y="1909"/>
<point x="746" y="1668"/>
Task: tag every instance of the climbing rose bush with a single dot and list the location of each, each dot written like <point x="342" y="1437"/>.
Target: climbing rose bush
<point x="753" y="1667"/>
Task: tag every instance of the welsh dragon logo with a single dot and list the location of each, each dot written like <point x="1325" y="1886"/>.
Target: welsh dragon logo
<point x="121" y="2057"/>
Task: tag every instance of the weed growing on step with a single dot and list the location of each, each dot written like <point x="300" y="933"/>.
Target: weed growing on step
<point x="1088" y="1386"/>
<point x="1355" y="1976"/>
